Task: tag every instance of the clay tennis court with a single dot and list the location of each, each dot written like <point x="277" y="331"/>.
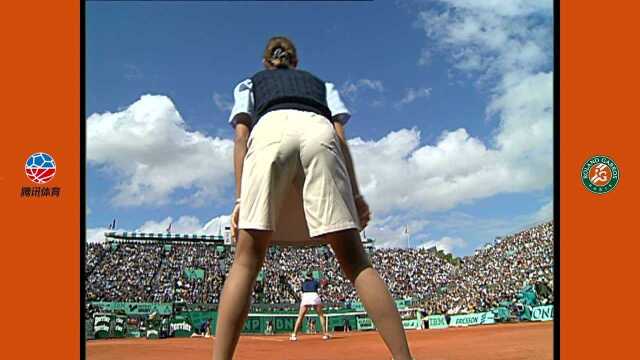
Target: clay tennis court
<point x="524" y="341"/>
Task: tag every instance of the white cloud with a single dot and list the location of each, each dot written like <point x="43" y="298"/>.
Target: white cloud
<point x="509" y="46"/>
<point x="457" y="169"/>
<point x="425" y="57"/>
<point x="505" y="7"/>
<point x="186" y="225"/>
<point x="222" y="102"/>
<point x="351" y="89"/>
<point x="414" y="94"/>
<point x="446" y="244"/>
<point x="492" y="37"/>
<point x="505" y="44"/>
<point x="545" y="213"/>
<point x="183" y="225"/>
<point x="95" y="235"/>
<point x="149" y="151"/>
<point x="216" y="225"/>
<point x="388" y="231"/>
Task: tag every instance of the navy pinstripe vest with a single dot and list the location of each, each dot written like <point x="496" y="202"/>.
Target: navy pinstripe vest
<point x="289" y="89"/>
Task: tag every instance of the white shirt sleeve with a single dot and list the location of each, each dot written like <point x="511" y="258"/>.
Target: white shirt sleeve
<point x="338" y="110"/>
<point x="243" y="101"/>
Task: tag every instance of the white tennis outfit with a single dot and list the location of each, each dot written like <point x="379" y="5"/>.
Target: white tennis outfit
<point x="294" y="178"/>
<point x="310" y="298"/>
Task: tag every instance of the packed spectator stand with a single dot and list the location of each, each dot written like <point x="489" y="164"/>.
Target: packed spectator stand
<point x="134" y="271"/>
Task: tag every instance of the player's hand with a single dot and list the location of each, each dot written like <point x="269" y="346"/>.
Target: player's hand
<point x="235" y="215"/>
<point x="364" y="213"/>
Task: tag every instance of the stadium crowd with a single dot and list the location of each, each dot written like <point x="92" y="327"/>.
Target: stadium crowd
<point x="149" y="272"/>
<point x="497" y="273"/>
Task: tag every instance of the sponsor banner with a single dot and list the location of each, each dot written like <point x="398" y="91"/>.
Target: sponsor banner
<point x="341" y="321"/>
<point x="119" y="326"/>
<point x="180" y="327"/>
<point x="357" y="306"/>
<point x="411" y="324"/>
<point x="402" y="304"/>
<point x="101" y="326"/>
<point x="437" y="322"/>
<point x="278" y="324"/>
<point x="365" y="324"/>
<point x="542" y="313"/>
<point x="472" y="319"/>
<point x="502" y="313"/>
<point x="134" y="308"/>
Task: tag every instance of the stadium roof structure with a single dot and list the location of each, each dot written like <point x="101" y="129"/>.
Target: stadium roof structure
<point x="163" y="236"/>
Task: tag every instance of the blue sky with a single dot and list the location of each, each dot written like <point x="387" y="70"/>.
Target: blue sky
<point x="451" y="101"/>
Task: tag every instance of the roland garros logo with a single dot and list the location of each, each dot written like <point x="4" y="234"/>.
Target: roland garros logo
<point x="600" y="174"/>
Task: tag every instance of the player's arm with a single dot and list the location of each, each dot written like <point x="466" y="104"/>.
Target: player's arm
<point x="241" y="138"/>
<point x="339" y="118"/>
<point x="241" y="121"/>
<point x="361" y="205"/>
<point x="242" y="131"/>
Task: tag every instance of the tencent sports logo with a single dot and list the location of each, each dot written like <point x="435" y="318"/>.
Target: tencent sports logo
<point x="600" y="174"/>
<point x="40" y="168"/>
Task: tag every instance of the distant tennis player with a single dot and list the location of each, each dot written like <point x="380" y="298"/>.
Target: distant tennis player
<point x="310" y="298"/>
<point x="295" y="185"/>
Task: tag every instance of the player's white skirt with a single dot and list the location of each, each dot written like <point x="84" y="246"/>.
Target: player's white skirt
<point x="310" y="298"/>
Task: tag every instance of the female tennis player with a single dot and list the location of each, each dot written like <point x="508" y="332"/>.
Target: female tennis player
<point x="295" y="185"/>
<point x="310" y="298"/>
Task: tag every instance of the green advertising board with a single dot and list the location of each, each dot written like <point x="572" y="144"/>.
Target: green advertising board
<point x="101" y="325"/>
<point x="402" y="304"/>
<point x="472" y="319"/>
<point x="134" y="308"/>
<point x="365" y="324"/>
<point x="133" y="331"/>
<point x="152" y="334"/>
<point x="357" y="306"/>
<point x="542" y="313"/>
<point x="437" y="322"/>
<point x="119" y="327"/>
<point x="180" y="326"/>
<point x="502" y="313"/>
<point x="153" y="328"/>
<point x="339" y="322"/>
<point x="253" y="325"/>
<point x="411" y="324"/>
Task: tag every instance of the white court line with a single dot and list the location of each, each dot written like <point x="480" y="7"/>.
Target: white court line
<point x="264" y="338"/>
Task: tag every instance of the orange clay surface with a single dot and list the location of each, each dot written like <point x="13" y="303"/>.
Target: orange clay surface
<point x="524" y="341"/>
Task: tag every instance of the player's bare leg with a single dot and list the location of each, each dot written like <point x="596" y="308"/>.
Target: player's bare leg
<point x="251" y="249"/>
<point x="323" y="323"/>
<point x="296" y="328"/>
<point x="371" y="289"/>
